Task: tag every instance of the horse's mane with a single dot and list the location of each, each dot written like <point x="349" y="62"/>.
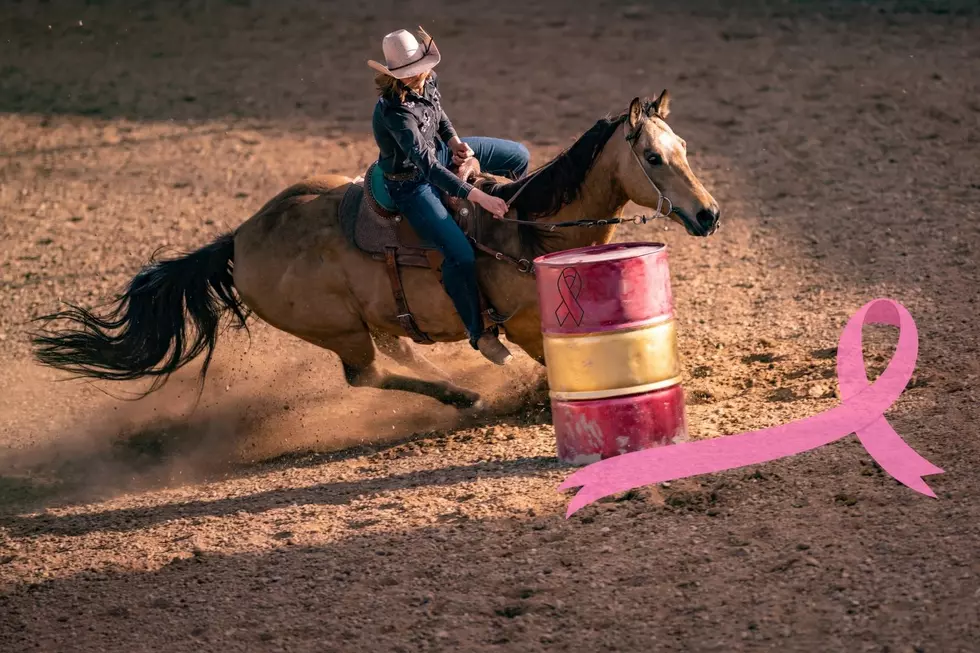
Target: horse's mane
<point x="560" y="182"/>
<point x="556" y="184"/>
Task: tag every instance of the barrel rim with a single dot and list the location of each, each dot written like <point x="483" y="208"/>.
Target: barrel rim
<point x="546" y="259"/>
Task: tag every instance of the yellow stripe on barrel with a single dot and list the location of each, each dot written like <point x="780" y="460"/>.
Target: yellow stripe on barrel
<point x="612" y="363"/>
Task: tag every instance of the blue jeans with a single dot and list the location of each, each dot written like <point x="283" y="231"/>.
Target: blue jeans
<point x="421" y="205"/>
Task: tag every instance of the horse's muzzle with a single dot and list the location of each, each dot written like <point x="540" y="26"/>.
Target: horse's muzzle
<point x="708" y="221"/>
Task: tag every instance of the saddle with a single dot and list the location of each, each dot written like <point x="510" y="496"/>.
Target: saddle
<point x="373" y="224"/>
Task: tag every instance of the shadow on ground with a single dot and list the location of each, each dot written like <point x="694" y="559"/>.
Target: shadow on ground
<point x="543" y="583"/>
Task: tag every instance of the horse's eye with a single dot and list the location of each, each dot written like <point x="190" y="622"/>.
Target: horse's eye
<point x="654" y="159"/>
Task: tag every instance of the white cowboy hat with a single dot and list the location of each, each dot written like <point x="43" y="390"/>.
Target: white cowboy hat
<point x="405" y="56"/>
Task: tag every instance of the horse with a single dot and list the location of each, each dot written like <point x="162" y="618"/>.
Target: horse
<point x="294" y="265"/>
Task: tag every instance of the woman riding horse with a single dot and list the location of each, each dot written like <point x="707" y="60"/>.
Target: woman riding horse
<point x="416" y="143"/>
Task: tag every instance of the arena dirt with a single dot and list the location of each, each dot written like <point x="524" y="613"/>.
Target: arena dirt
<point x="285" y="511"/>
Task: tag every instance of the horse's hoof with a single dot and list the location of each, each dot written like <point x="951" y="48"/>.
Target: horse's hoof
<point x="468" y="401"/>
<point x="475" y="409"/>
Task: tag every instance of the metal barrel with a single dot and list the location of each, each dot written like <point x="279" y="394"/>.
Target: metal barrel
<point x="610" y="346"/>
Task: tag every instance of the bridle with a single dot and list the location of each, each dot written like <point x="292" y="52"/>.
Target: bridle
<point x="631" y="138"/>
<point x="523" y="265"/>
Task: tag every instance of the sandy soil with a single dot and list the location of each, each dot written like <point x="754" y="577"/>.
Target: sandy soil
<point x="288" y="512"/>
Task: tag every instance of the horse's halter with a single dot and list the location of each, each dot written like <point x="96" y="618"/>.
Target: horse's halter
<point x="631" y="137"/>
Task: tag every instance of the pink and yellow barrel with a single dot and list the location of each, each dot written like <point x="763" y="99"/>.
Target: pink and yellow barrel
<point x="610" y="346"/>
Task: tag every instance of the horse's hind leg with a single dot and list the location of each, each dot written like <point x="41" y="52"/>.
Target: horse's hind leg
<point x="362" y="369"/>
<point x="400" y="350"/>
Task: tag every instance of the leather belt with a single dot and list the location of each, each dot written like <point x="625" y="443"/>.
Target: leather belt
<point x="400" y="176"/>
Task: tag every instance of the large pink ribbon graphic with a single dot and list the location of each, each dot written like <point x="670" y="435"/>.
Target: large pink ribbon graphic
<point x="569" y="287"/>
<point x="861" y="411"/>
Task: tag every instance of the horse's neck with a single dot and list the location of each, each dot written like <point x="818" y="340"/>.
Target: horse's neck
<point x="601" y="197"/>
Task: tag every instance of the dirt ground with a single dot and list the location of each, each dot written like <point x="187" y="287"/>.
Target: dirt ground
<point x="288" y="512"/>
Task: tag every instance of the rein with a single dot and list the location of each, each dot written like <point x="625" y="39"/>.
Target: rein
<point x="587" y="222"/>
<point x="526" y="266"/>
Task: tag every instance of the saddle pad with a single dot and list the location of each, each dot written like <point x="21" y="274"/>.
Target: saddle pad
<point x="371" y="233"/>
<point x="376" y="182"/>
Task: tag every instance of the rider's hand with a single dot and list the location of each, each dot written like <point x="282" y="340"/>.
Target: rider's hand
<point x="494" y="205"/>
<point x="461" y="152"/>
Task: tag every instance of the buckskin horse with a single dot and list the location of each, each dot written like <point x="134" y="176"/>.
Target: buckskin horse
<point x="329" y="261"/>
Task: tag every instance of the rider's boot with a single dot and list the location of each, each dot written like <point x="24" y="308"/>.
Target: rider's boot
<point x="492" y="349"/>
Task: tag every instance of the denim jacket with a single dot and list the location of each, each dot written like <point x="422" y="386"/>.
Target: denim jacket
<point x="406" y="135"/>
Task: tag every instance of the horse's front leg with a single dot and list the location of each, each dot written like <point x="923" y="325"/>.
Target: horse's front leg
<point x="524" y="330"/>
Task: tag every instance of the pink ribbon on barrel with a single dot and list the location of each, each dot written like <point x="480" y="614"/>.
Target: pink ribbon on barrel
<point x="569" y="287"/>
<point x="861" y="411"/>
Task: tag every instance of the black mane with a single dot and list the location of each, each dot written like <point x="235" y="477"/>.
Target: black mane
<point x="556" y="185"/>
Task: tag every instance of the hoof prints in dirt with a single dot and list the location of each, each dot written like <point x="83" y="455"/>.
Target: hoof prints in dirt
<point x="766" y="357"/>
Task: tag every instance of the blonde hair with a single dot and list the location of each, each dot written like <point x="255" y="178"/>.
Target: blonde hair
<point x="390" y="87"/>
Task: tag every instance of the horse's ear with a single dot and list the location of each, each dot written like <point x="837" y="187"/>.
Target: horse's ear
<point x="636" y="112"/>
<point x="661" y="106"/>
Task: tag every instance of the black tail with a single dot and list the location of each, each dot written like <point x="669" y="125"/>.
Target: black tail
<point x="152" y="337"/>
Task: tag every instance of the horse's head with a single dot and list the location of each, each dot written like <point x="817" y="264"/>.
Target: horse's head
<point x="654" y="159"/>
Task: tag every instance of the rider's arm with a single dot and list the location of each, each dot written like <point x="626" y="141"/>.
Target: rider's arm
<point x="446" y="130"/>
<point x="402" y="126"/>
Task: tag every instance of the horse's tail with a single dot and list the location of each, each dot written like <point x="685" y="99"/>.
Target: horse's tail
<point x="152" y="337"/>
